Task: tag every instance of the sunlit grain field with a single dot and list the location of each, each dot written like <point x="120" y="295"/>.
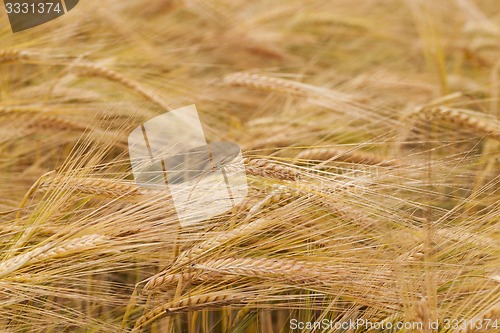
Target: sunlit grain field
<point x="371" y="137"/>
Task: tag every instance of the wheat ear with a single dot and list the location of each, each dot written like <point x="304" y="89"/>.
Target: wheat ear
<point x="43" y="121"/>
<point x="328" y="18"/>
<point x="460" y="118"/>
<point x="218" y="240"/>
<point x="333" y="154"/>
<point x="344" y="212"/>
<point x="99" y="186"/>
<point x="266" y="83"/>
<point x="264" y="168"/>
<point x="36" y="119"/>
<point x="204" y="247"/>
<point x="280" y="195"/>
<point x="50" y="250"/>
<point x="16" y="110"/>
<point x="243" y="230"/>
<point x="93" y="70"/>
<point x="464" y="237"/>
<point x="13" y="55"/>
<point x="290" y="271"/>
<point x="192" y="303"/>
<point x="164" y="282"/>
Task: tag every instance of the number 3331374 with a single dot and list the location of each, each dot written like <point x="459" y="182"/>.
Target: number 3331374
<point x="25" y="14"/>
<point x="32" y="8"/>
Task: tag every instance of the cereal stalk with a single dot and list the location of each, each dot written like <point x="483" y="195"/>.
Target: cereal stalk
<point x="264" y="168"/>
<point x="287" y="270"/>
<point x="219" y="239"/>
<point x="204" y="247"/>
<point x="99" y="186"/>
<point x="13" y="55"/>
<point x="93" y="70"/>
<point x="50" y="250"/>
<point x="192" y="303"/>
<point x="461" y="118"/>
<point x="334" y="154"/>
<point x="267" y="83"/>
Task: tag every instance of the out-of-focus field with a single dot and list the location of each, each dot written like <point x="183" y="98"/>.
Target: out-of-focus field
<point x="371" y="133"/>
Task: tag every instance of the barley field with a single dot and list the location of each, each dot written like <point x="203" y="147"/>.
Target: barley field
<point x="370" y="132"/>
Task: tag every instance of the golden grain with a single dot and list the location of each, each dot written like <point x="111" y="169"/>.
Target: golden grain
<point x="49" y="251"/>
<point x="93" y="70"/>
<point x="13" y="55"/>
<point x="192" y="303"/>
<point x="265" y="168"/>
<point x="460" y="118"/>
<point x="262" y="82"/>
<point x="354" y="157"/>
